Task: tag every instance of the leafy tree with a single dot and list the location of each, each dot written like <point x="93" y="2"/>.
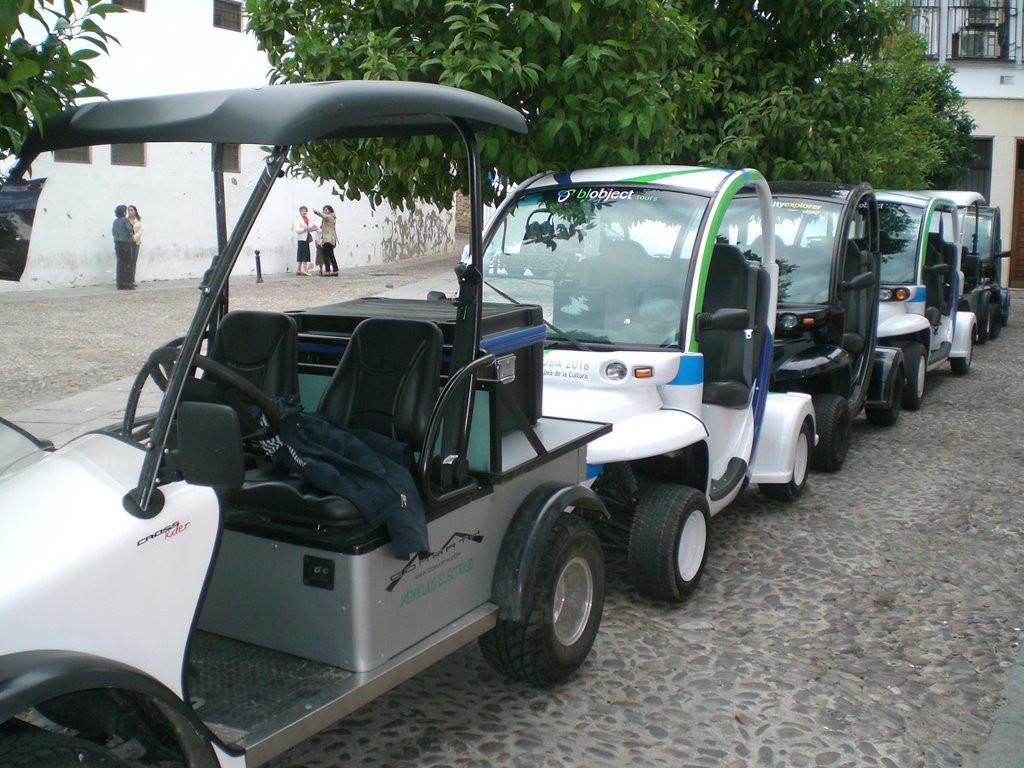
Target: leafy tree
<point x="600" y="81"/>
<point x="777" y="104"/>
<point x="919" y="134"/>
<point x="800" y="89"/>
<point x="38" y="80"/>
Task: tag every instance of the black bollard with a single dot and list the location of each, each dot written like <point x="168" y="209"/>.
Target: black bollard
<point x="259" y="269"/>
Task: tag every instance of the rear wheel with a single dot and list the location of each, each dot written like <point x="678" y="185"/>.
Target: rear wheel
<point x="962" y="365"/>
<point x="917" y="369"/>
<point x="832" y="415"/>
<point x="557" y="634"/>
<point x="668" y="541"/>
<point x="801" y="466"/>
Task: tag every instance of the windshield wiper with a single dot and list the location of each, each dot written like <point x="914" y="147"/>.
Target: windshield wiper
<point x="567" y="336"/>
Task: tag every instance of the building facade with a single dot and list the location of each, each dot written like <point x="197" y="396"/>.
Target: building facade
<point x="172" y="46"/>
<point x="984" y="41"/>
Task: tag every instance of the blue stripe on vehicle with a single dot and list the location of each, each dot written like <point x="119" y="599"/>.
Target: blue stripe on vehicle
<point x="918" y="294"/>
<point x="593" y="470"/>
<point x="563" y="178"/>
<point x="691" y="370"/>
<point x="761" y="387"/>
<point x="517" y="339"/>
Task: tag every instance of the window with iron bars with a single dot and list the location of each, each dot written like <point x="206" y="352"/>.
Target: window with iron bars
<point x="922" y="16"/>
<point x="128" y="154"/>
<point x="227" y="15"/>
<point x="980" y="30"/>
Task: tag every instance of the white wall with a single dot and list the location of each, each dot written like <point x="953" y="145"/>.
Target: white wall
<point x="173" y="47"/>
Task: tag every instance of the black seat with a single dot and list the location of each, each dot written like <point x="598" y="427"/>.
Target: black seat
<point x="729" y="356"/>
<point x="262" y="346"/>
<point x="388" y="382"/>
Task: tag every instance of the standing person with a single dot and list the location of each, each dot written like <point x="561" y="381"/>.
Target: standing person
<point x="318" y="241"/>
<point x="303" y="230"/>
<point x="136" y="221"/>
<point x="121" y="231"/>
<point x="329" y="228"/>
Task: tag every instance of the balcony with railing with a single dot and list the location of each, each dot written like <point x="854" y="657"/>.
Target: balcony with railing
<point x="981" y="31"/>
<point x="922" y="16"/>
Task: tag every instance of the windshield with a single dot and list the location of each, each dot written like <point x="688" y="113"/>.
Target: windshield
<point x="899" y="226"/>
<point x="607" y="264"/>
<point x="985" y="247"/>
<point x="805" y="233"/>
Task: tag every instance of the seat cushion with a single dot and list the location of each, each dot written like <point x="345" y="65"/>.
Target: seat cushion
<point x="269" y="490"/>
<point x="730" y="394"/>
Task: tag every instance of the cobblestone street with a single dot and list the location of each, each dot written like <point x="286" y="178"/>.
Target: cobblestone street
<point x="873" y="622"/>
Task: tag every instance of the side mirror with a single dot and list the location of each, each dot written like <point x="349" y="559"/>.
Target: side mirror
<point x="858" y="283"/>
<point x="210" y="445"/>
<point x="726" y="319"/>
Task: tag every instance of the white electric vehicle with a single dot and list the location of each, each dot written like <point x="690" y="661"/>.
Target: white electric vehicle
<point x="920" y="289"/>
<point x="982" y="263"/>
<point x="660" y="324"/>
<point x="169" y="596"/>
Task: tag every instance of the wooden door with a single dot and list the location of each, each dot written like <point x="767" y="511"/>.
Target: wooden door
<point x="1016" y="276"/>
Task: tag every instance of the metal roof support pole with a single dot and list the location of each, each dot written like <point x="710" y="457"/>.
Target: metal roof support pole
<point x="214" y="282"/>
<point x="454" y="467"/>
<point x="220" y="208"/>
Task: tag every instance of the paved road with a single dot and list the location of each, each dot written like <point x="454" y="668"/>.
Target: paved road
<point x="874" y="622"/>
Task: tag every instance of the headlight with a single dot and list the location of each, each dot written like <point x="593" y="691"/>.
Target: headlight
<point x="788" y="321"/>
<point x="616" y="371"/>
<point x="893" y="294"/>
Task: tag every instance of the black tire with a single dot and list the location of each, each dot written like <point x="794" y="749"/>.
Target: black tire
<point x="801" y="468"/>
<point x="668" y="541"/>
<point x="887" y="415"/>
<point x="983" y="319"/>
<point x="27" y="747"/>
<point x="916" y="365"/>
<point x="832" y="416"/>
<point x="559" y="631"/>
<point x="995" y="320"/>
<point x="961" y="366"/>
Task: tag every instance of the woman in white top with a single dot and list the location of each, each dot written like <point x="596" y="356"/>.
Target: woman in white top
<point x="136" y="221"/>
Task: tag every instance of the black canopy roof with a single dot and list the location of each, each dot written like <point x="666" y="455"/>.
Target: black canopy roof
<point x="276" y="115"/>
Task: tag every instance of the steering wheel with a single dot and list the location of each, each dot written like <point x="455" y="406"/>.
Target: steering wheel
<point x="159" y="366"/>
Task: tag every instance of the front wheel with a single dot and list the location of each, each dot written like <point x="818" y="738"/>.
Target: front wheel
<point x="801" y="465"/>
<point x="995" y="320"/>
<point x="983" y="319"/>
<point x="27" y="747"/>
<point x="555" y="638"/>
<point x="916" y="362"/>
<point x="832" y="415"/>
<point x="668" y="541"/>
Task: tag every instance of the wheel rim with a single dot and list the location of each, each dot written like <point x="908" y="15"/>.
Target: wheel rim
<point x="692" y="543"/>
<point x="574" y="600"/>
<point x="803" y="451"/>
<point x="922" y="369"/>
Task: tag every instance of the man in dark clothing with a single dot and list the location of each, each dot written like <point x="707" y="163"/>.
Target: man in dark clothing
<point x="121" y="231"/>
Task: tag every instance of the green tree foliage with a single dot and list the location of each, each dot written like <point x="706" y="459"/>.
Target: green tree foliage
<point x="777" y="105"/>
<point x="921" y="137"/>
<point x="40" y="79"/>
<point x="600" y="81"/>
<point x="800" y="89"/>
